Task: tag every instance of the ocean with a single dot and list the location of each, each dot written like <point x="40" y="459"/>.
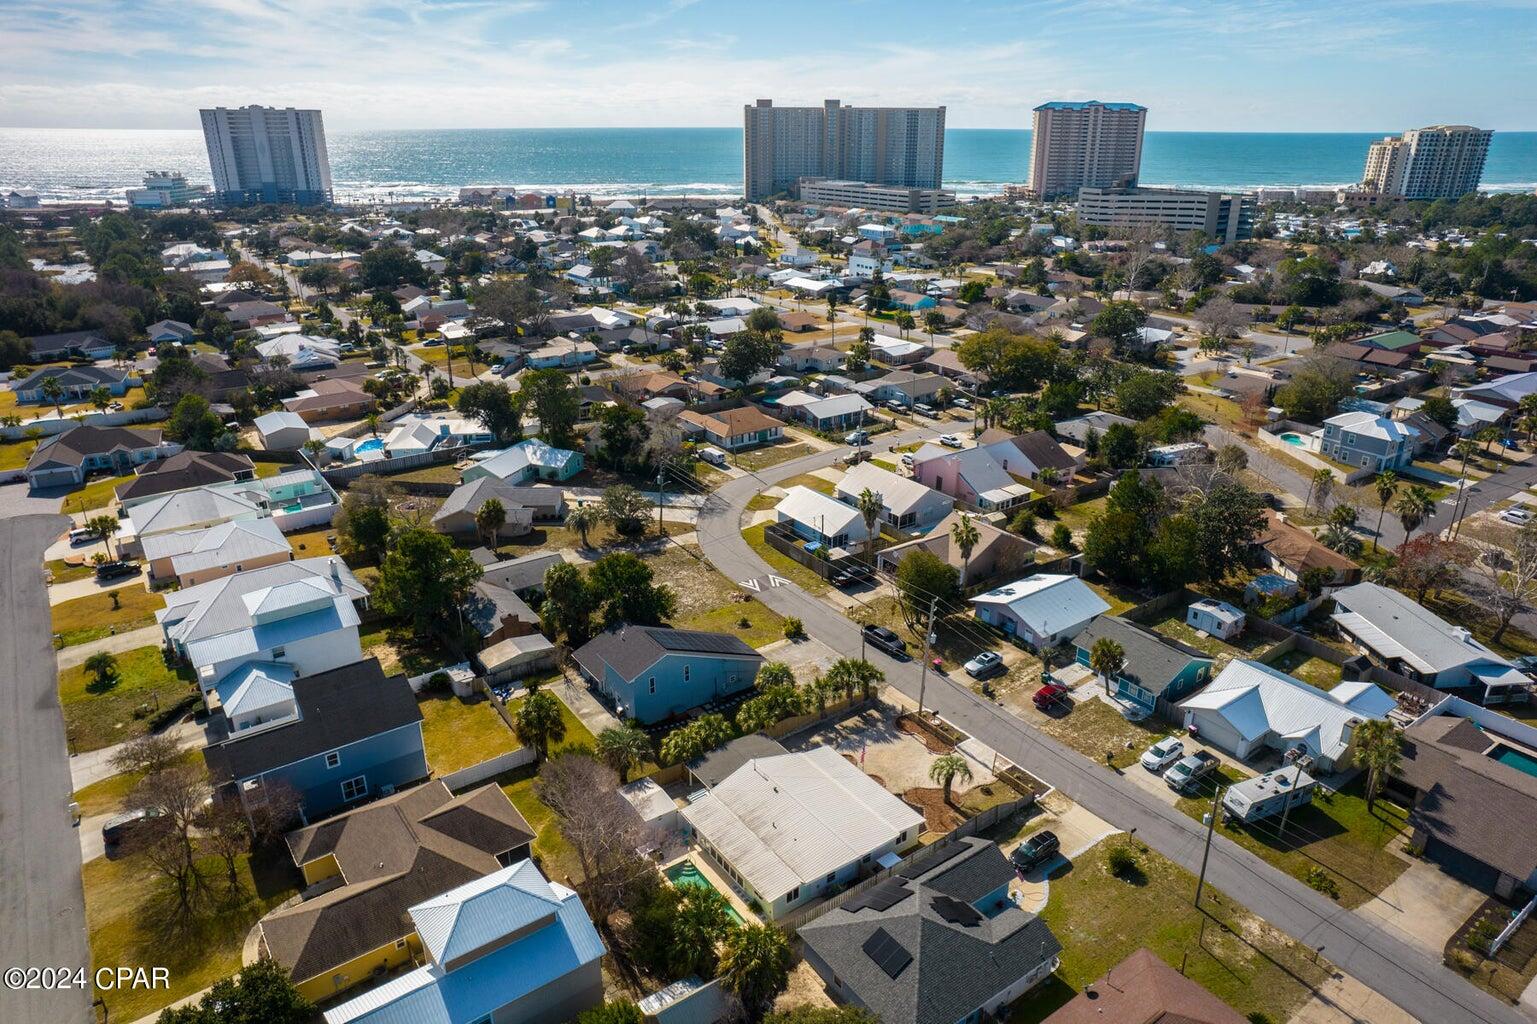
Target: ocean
<point x="375" y="166"/>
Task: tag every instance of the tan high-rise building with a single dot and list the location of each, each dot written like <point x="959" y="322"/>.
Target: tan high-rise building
<point x="1444" y="161"/>
<point x="901" y="146"/>
<point x="1085" y="144"/>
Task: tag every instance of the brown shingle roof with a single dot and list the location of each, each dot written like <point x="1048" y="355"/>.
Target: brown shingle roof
<point x="1299" y="550"/>
<point x="1142" y="989"/>
<point x="730" y="422"/>
<point x="185" y="469"/>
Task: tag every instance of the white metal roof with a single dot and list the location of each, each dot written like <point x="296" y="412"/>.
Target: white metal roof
<point x="817" y="511"/>
<point x="1396" y="627"/>
<point x="464" y="919"/>
<point x="791" y="819"/>
<point x="1369" y="424"/>
<point x="898" y="493"/>
<point x="1048" y="603"/>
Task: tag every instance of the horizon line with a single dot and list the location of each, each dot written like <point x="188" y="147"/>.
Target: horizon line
<point x="720" y="127"/>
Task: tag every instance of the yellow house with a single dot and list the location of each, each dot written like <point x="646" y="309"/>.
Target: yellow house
<point x="190" y="557"/>
<point x="364" y="869"/>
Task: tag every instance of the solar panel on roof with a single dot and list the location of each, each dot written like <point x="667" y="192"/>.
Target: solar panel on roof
<point x="882" y="896"/>
<point x="887" y="953"/>
<point x="956" y="912"/>
<point x="693" y="640"/>
<point x="923" y="865"/>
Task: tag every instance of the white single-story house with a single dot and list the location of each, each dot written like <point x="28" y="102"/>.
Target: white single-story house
<point x="905" y="504"/>
<point x="819" y="518"/>
<point x="1042" y="610"/>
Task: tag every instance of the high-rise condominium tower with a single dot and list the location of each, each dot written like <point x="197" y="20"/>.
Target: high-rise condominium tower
<point x="1444" y="161"/>
<point x="1085" y="144"/>
<point x="903" y="146"/>
<point x="268" y="155"/>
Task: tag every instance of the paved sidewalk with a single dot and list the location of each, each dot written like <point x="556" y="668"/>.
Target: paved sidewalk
<point x="118" y="643"/>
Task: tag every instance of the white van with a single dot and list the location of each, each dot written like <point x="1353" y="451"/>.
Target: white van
<point x="714" y="456"/>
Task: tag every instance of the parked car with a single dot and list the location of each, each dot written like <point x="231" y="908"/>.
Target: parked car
<point x="988" y="663"/>
<point x="1051" y="697"/>
<point x="856" y="437"/>
<point x="962" y="403"/>
<point x="925" y="409"/>
<point x="951" y="441"/>
<point x="122" y="826"/>
<point x="1038" y="849"/>
<point x="907" y="459"/>
<point x="856" y="456"/>
<point x="855" y="573"/>
<point x="1516" y="515"/>
<point x="714" y="456"/>
<point x="1187" y="771"/>
<point x="116" y="570"/>
<point x="886" y="640"/>
<point x="84" y="535"/>
<point x="1162" y="754"/>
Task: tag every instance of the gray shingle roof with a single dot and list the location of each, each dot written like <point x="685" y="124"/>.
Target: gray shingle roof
<point x="186" y="469"/>
<point x="71" y="377"/>
<point x="1152" y="661"/>
<point x="630" y="650"/>
<point x="71" y="447"/>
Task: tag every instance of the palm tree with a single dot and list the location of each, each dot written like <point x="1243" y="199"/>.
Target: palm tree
<point x="1378" y="745"/>
<point x="1414" y="508"/>
<point x="539" y="723"/>
<point x="904" y="321"/>
<point x="832" y="320"/>
<point x="102" y="667"/>
<point x="1107" y="658"/>
<point x="490" y="518"/>
<point x="1387" y="486"/>
<point x="755" y="967"/>
<point x="869" y="505"/>
<point x="584" y="518"/>
<point x="101" y="398"/>
<point x="933" y="320"/>
<point x="53" y="391"/>
<point x="946" y="769"/>
<point x="849" y="676"/>
<point x="105" y="527"/>
<point x="623" y="748"/>
<point x="372" y="420"/>
<point x="1528" y="409"/>
<point x="965" y="535"/>
<point x="1320" y="484"/>
<point x="775" y="673"/>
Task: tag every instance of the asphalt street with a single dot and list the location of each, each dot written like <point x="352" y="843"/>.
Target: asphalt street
<point x="42" y="905"/>
<point x="1359" y="947"/>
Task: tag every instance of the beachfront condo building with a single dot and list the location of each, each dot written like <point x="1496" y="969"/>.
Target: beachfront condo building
<point x="1223" y="216"/>
<point x="901" y="146"/>
<point x="163" y="190"/>
<point x="865" y="196"/>
<point x="1085" y="144"/>
<point x="267" y="155"/>
<point x="1444" y="161"/>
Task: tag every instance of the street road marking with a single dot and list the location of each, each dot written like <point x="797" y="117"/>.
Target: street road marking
<point x="778" y="581"/>
<point x="751" y="584"/>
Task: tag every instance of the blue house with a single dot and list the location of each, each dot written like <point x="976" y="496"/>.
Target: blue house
<point x="75" y="383"/>
<point x="653" y="673"/>
<point x="1158" y="671"/>
<point x="332" y="739"/>
<point x="526" y="462"/>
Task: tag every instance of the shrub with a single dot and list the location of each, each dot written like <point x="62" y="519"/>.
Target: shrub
<point x="1319" y="879"/>
<point x="1024" y="523"/>
<point x="1062" y="537"/>
<point x="438" y="682"/>
<point x="1259" y="1017"/>
<point x="1123" y="863"/>
<point x="794" y="629"/>
<point x="1463" y="961"/>
<point x="1482" y="935"/>
<point x="744" y="622"/>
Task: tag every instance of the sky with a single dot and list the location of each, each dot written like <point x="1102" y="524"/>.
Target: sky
<point x="1216" y="65"/>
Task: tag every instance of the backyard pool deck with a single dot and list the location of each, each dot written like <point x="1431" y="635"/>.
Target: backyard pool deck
<point x="718" y="882"/>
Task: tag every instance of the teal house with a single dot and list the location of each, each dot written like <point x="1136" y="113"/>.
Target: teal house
<point x="653" y="673"/>
<point x="1158" y="671"/>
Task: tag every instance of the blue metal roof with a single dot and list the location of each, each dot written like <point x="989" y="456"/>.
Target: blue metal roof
<point x="1086" y="104"/>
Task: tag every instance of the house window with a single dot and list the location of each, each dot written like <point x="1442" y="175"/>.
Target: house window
<point x="685" y="673"/>
<point x="651" y="684"/>
<point x="831" y="877"/>
<point x="400" y="943"/>
<point x="353" y="789"/>
<point x="482" y="1020"/>
<point x="334" y="759"/>
<point x="278" y="652"/>
<point x="793" y="895"/>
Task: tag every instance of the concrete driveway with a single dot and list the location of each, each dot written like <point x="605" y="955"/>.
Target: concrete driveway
<point x="61" y="592"/>
<point x="1424" y="905"/>
<point x="17" y="500"/>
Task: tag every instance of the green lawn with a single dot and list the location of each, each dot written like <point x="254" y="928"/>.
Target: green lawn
<point x="94" y="616"/>
<point x="107" y="796"/>
<point x="1118" y="597"/>
<point x="553" y="852"/>
<point x="14" y="454"/>
<point x="772" y="455"/>
<point x="810" y="480"/>
<point x="97" y="494"/>
<point x="764" y="625"/>
<point x="99" y="715"/>
<point x="1171" y="623"/>
<point x="311" y="543"/>
<point x="761" y="502"/>
<point x="266" y="467"/>
<point x="783" y="564"/>
<point x="709" y="601"/>
<point x="1323" y="674"/>
<point x="400" y="650"/>
<point x="1101" y="919"/>
<point x="62" y="572"/>
<point x="444" y="473"/>
<point x="134" y="921"/>
<point x="459" y="733"/>
<point x="1079" y="516"/>
<point x="1335" y="832"/>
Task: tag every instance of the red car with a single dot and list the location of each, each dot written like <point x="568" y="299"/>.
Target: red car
<point x="1051" y="697"/>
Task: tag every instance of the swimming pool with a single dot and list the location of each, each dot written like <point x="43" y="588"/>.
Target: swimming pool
<point x="685" y="872"/>
<point x="1295" y="439"/>
<point x="373" y="444"/>
<point x="1520" y="760"/>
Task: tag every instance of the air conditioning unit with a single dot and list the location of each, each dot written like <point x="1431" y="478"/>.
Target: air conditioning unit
<point x="387" y="790"/>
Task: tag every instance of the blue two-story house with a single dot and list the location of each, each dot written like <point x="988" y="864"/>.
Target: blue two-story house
<point x="328" y="740"/>
<point x="1157" y="672"/>
<point x="653" y="673"/>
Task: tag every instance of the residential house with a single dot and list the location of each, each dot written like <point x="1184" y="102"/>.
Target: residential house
<point x="69" y="458"/>
<point x="302" y="351"/>
<point x="75" y="384"/>
<point x="182" y="471"/>
<point x="1157" y="670"/>
<point x="1392" y="341"/>
<point x="1251" y="707"/>
<point x="90" y="344"/>
<point x="282" y="431"/>
<point x="820" y="519"/>
<point x="329" y="740"/>
<point x="366" y="868"/>
<point x="906" y="505"/>
<point x="1471" y="795"/>
<point x="991" y="476"/>
<point x="793" y="828"/>
<point x="1366" y="439"/>
<point x="512" y="947"/>
<point x="1289" y="552"/>
<point x="1078" y="428"/>
<point x="998" y="553"/>
<point x="903" y="387"/>
<point x="523" y="506"/>
<point x="947" y="364"/>
<point x="652" y="673"/>
<point x="296" y="498"/>
<point x="733" y="429"/>
<point x="1372" y="360"/>
<point x="1506" y="391"/>
<point x="1402" y="635"/>
<point x="190" y="557"/>
<point x="246" y="315"/>
<point x="1042" y="610"/>
<point x="838" y="412"/>
<point x="562" y="354"/>
<point x="163" y="331"/>
<point x="331" y="400"/>
<point x="527" y="460"/>
<point x="299" y="613"/>
<point x="654" y="384"/>
<point x="798" y="321"/>
<point x="939" y="942"/>
<point x="813" y="358"/>
<point x="1142" y="989"/>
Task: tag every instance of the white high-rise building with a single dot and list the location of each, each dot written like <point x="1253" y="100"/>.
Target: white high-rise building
<point x="163" y="189"/>
<point x="1444" y="161"/>
<point x="901" y="146"/>
<point x="1224" y="216"/>
<point x="268" y="155"/>
<point x="1085" y="144"/>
